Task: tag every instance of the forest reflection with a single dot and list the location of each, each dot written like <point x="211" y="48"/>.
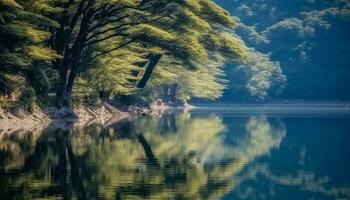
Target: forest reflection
<point x="174" y="156"/>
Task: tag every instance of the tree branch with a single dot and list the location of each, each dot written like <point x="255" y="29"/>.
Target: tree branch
<point x="105" y="38"/>
<point x="77" y="15"/>
<point x="103" y="24"/>
<point x="110" y="11"/>
<point x="120" y="26"/>
<point x="113" y="49"/>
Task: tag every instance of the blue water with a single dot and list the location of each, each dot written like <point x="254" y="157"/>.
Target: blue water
<point x="215" y="153"/>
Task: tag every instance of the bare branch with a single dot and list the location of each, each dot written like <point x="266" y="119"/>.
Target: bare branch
<point x="120" y="26"/>
<point x="111" y="50"/>
<point x="105" y="23"/>
<point x="105" y="38"/>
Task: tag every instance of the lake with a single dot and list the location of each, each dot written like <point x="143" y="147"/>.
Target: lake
<point x="239" y="153"/>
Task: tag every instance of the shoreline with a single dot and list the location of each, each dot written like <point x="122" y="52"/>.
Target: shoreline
<point x="17" y="119"/>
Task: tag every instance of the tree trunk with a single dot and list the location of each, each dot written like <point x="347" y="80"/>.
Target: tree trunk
<point x="60" y="45"/>
<point x="72" y="76"/>
<point x="62" y="94"/>
<point x="172" y="93"/>
<point x="61" y="90"/>
<point x="72" y="57"/>
<point x="166" y="93"/>
<point x="154" y="59"/>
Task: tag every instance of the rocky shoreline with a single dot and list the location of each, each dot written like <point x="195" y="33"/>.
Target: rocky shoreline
<point x="18" y="119"/>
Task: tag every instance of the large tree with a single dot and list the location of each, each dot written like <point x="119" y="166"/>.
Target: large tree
<point x="86" y="23"/>
<point x="186" y="39"/>
<point x="114" y="47"/>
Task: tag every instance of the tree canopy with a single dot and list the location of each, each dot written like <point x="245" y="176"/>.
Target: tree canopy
<point x="82" y="50"/>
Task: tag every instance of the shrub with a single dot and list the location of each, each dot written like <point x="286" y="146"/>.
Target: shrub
<point x="28" y="98"/>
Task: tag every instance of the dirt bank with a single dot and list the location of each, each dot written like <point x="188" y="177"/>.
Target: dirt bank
<point x="18" y="119"/>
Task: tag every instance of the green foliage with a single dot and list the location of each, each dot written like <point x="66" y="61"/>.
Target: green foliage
<point x="205" y="82"/>
<point x="28" y="98"/>
<point x="255" y="79"/>
<point x="265" y="76"/>
<point x="86" y="50"/>
<point x="39" y="81"/>
<point x="83" y="92"/>
<point x="10" y="83"/>
<point x="113" y="72"/>
<point x="22" y="36"/>
<point x="194" y="40"/>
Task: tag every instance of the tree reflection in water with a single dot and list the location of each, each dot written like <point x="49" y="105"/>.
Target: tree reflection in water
<point x="175" y="156"/>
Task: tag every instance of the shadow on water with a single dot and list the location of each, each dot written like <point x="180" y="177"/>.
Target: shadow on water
<point x="173" y="156"/>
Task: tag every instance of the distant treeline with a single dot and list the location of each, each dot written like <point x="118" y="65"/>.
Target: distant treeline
<point x="309" y="40"/>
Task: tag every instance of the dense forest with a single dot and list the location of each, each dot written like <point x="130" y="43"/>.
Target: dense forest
<point x="66" y="52"/>
<point x="308" y="39"/>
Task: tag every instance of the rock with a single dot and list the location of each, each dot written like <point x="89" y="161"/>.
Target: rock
<point x="64" y="113"/>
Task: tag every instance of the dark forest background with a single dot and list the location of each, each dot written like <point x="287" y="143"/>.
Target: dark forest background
<point x="309" y="39"/>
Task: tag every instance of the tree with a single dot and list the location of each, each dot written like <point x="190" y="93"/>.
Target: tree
<point x="84" y="24"/>
<point x="256" y="79"/>
<point x="192" y="40"/>
<point x="178" y="47"/>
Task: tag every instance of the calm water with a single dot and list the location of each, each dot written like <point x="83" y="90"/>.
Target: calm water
<point x="195" y="155"/>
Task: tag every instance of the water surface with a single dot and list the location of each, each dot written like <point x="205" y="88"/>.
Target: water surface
<point x="203" y="154"/>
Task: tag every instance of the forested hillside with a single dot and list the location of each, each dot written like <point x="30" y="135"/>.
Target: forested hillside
<point x="67" y="52"/>
<point x="308" y="39"/>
